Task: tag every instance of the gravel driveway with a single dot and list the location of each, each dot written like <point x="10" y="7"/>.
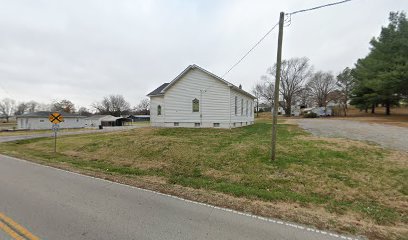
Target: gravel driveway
<point x="385" y="135"/>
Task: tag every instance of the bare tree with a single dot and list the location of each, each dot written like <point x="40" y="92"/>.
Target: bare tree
<point x="63" y="105"/>
<point x="294" y="73"/>
<point x="21" y="108"/>
<point x="32" y="106"/>
<point x="304" y="97"/>
<point x="345" y="83"/>
<point x="321" y="85"/>
<point x="83" y="111"/>
<point x="143" y="107"/>
<point x="256" y="92"/>
<point x="7" y="108"/>
<point x="265" y="90"/>
<point x="115" y="105"/>
<point x="43" y="107"/>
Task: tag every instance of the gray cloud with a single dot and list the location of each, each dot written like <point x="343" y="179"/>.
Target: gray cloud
<point x="84" y="50"/>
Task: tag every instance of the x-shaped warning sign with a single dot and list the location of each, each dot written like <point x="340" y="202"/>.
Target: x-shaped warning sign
<point x="56" y="118"/>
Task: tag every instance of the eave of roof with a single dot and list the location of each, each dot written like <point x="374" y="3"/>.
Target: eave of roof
<point x="190" y="67"/>
<point x="157" y="91"/>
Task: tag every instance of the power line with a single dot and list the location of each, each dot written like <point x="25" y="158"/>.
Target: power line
<point x="314" y="8"/>
<point x="288" y="22"/>
<point x="5" y="91"/>
<point x="250" y="50"/>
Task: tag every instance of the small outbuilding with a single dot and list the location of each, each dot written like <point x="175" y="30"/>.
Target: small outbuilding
<point x="39" y="120"/>
<point x="105" y="120"/>
<point x="138" y="118"/>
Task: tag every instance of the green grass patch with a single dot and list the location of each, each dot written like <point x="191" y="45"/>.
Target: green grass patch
<point x="341" y="178"/>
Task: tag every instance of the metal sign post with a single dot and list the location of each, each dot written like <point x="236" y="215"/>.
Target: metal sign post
<point x="55" y="128"/>
<point x="55" y="118"/>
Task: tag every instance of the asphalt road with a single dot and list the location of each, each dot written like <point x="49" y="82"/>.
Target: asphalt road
<point x="40" y="135"/>
<point x="56" y="204"/>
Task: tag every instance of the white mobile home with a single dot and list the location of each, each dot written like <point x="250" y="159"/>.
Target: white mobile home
<point x="198" y="98"/>
<point x="39" y="120"/>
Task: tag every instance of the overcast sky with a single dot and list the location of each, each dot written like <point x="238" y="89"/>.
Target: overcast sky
<point x="84" y="50"/>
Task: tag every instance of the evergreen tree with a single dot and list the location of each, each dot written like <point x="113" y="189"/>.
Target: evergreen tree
<point x="382" y="76"/>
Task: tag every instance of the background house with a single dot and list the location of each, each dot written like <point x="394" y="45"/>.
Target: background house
<point x="199" y="98"/>
<point x="105" y="120"/>
<point x="263" y="107"/>
<point x="39" y="120"/>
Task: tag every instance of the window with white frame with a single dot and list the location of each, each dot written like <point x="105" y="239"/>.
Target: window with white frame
<point x="236" y="105"/>
<point x="242" y="106"/>
<point x="159" y="109"/>
<point x="196" y="105"/>
<point x="246" y="108"/>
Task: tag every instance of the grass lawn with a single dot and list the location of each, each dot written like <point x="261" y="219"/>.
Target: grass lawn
<point x="33" y="132"/>
<point x="335" y="184"/>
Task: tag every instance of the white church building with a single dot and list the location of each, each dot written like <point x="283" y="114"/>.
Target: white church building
<point x="199" y="98"/>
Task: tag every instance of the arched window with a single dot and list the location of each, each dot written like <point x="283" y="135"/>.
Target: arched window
<point x="196" y="105"/>
<point x="242" y="106"/>
<point x="246" y="108"/>
<point x="159" y="110"/>
<point x="236" y="105"/>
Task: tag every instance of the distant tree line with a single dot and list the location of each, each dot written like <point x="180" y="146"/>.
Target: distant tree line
<point x="379" y="78"/>
<point x="300" y="85"/>
<point x="115" y="105"/>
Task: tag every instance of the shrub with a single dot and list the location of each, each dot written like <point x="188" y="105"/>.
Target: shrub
<point x="310" y="115"/>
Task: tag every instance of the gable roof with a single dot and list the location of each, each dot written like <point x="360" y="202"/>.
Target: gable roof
<point x="162" y="89"/>
<point x="158" y="90"/>
<point x="104" y="118"/>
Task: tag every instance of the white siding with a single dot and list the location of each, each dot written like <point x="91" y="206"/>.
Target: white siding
<point x="155" y="119"/>
<point x="216" y="103"/>
<point x="92" y="123"/>
<point x="212" y="94"/>
<point x="35" y="123"/>
<point x="241" y="119"/>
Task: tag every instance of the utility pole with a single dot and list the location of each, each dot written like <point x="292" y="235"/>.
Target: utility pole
<point x="278" y="76"/>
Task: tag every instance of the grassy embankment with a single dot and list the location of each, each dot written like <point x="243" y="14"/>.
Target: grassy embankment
<point x="335" y="184"/>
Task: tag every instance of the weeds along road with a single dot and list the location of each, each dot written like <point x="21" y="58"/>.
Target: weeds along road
<point x="388" y="136"/>
<point x="56" y="204"/>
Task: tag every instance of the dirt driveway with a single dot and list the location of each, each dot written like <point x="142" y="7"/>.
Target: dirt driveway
<point x="388" y="136"/>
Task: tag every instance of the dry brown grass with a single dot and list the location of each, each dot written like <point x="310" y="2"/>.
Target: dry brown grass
<point x="398" y="117"/>
<point x="336" y="184"/>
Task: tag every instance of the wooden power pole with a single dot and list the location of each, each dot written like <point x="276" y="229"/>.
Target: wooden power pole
<point x="278" y="76"/>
